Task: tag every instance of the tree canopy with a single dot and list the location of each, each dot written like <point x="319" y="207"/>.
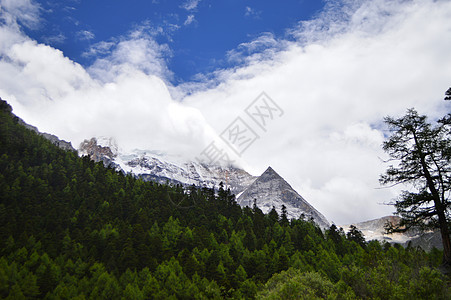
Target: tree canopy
<point x="421" y="153"/>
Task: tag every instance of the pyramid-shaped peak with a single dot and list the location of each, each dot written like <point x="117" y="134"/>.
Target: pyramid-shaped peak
<point x="269" y="170"/>
<point x="270" y="174"/>
<point x="270" y="189"/>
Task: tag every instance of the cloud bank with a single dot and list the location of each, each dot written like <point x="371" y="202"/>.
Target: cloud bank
<point x="24" y="12"/>
<point x="122" y="94"/>
<point x="335" y="77"/>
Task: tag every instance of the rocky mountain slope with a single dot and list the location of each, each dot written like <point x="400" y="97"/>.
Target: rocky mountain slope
<point x="52" y="138"/>
<point x="104" y="150"/>
<point x="427" y="241"/>
<point x="375" y="230"/>
<point x="270" y="189"/>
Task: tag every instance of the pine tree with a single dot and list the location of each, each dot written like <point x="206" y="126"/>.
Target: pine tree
<point x="422" y="153"/>
<point x="284" y="216"/>
<point x="354" y="234"/>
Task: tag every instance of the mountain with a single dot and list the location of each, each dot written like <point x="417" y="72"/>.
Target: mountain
<point x="104" y="150"/>
<point x="163" y="168"/>
<point x="427" y="241"/>
<point x="270" y="189"/>
<point x="375" y="230"/>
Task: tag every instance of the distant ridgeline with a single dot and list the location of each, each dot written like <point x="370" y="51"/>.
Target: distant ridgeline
<point x="71" y="228"/>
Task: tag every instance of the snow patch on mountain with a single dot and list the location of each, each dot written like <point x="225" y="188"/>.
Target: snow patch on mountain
<point x="165" y="168"/>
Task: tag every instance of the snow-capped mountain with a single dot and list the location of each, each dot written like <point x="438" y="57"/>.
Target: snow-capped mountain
<point x="161" y="167"/>
<point x="270" y="189"/>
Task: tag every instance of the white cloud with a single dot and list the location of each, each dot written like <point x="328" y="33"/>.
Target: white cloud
<point x="189" y="19"/>
<point x="85" y="35"/>
<point x="344" y="72"/>
<point x="122" y="95"/>
<point x="335" y="78"/>
<point x="251" y="12"/>
<point x="24" y="11"/>
<point x="262" y="48"/>
<point x="138" y="51"/>
<point x="190" y="4"/>
<point x="55" y="39"/>
<point x="100" y="48"/>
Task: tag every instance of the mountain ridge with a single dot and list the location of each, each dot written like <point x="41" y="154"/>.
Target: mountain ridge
<point x="50" y="137"/>
<point x="162" y="168"/>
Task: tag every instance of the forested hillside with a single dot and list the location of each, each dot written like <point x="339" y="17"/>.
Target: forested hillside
<point x="71" y="228"/>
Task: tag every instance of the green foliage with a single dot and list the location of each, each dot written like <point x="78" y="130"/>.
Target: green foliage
<point x="292" y="284"/>
<point x="70" y="228"/>
<point x="354" y="234"/>
<point x="422" y="152"/>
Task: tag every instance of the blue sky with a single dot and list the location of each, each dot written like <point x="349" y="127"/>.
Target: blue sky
<point x="172" y="77"/>
<point x="199" y="33"/>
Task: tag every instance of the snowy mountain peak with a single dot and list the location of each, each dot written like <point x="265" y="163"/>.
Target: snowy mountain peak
<point x="270" y="189"/>
<point x="165" y="168"/>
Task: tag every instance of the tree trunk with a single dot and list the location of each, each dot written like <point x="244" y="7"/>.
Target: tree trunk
<point x="446" y="240"/>
<point x="439" y="208"/>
